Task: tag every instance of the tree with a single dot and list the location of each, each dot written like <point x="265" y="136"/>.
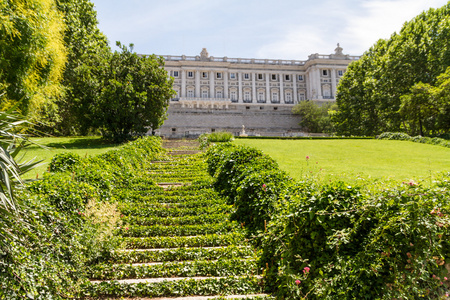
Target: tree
<point x="32" y="54"/>
<point x="85" y="43"/>
<point x="314" y="117"/>
<point x="369" y="96"/>
<point x="131" y="96"/>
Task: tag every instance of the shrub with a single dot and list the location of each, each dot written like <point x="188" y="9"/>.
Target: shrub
<point x="64" y="162"/>
<point x="230" y="164"/>
<point x="337" y="241"/>
<point x="354" y="244"/>
<point x="417" y="139"/>
<point x="216" y="137"/>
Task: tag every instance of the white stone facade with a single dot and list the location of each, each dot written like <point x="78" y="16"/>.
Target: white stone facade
<point x="207" y="80"/>
<point x="224" y="94"/>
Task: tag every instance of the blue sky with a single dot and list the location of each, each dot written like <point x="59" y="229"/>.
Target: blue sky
<point x="276" y="29"/>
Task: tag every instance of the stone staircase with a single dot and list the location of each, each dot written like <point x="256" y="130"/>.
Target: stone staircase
<point x="179" y="242"/>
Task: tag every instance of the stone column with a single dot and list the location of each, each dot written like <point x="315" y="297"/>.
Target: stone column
<point x="281" y="89"/>
<point x="197" y="84"/>
<point x="295" y="91"/>
<point x="212" y="92"/>
<point x="240" y="98"/>
<point x="333" y="83"/>
<point x="254" y="97"/>
<point x="225" y="85"/>
<point x="268" y="96"/>
<point x="183" y="84"/>
<point x="319" y="85"/>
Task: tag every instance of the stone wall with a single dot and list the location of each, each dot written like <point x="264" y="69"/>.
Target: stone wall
<point x="264" y="120"/>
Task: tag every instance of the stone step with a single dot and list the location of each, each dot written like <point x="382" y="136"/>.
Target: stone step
<point x="179" y="262"/>
<point x="169" y="249"/>
<point x="154" y="280"/>
<point x="206" y="297"/>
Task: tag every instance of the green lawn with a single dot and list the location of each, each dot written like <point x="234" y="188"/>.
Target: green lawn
<point x="84" y="146"/>
<point x="356" y="159"/>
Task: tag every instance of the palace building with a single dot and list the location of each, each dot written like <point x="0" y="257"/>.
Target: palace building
<point x="227" y="94"/>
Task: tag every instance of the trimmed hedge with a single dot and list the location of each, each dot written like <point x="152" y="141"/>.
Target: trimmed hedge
<point x="338" y="241"/>
<point x="69" y="217"/>
<point x="400" y="136"/>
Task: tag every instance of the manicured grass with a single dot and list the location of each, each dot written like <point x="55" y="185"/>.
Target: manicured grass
<point x="353" y="159"/>
<point x="84" y="146"/>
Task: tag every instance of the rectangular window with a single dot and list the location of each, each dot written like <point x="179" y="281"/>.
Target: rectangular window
<point x="204" y="94"/>
<point x="274" y="97"/>
<point x="233" y="96"/>
<point x="261" y="96"/>
<point x="219" y="94"/>
<point x="190" y="74"/>
<point x="274" y="76"/>
<point x="340" y="72"/>
<point x="204" y="75"/>
<point x="246" y="76"/>
<point x="300" y="77"/>
<point x="219" y="75"/>
<point x="325" y="72"/>
<point x="288" y="97"/>
<point x="260" y="77"/>
<point x="247" y="96"/>
<point x="232" y="75"/>
<point x="175" y="74"/>
<point x="190" y="93"/>
<point x="287" y="77"/>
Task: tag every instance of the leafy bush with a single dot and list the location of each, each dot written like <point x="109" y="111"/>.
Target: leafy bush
<point x="64" y="162"/>
<point x="216" y="137"/>
<point x="67" y="222"/>
<point x="337" y="241"/>
<point x="417" y="139"/>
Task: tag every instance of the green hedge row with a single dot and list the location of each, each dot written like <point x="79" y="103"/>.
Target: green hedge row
<point x="69" y="217"/>
<point x="335" y="240"/>
<point x="307" y="137"/>
<point x="400" y="136"/>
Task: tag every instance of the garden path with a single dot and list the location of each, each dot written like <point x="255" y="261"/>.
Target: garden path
<point x="180" y="244"/>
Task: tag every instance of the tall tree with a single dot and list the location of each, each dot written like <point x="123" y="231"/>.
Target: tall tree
<point x="369" y="96"/>
<point x="131" y="96"/>
<point x="84" y="42"/>
<point x="32" y="54"/>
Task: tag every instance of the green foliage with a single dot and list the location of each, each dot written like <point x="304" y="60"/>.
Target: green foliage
<point x="124" y="94"/>
<point x="180" y="254"/>
<point x="32" y="55"/>
<point x="249" y="180"/>
<point x="418" y="139"/>
<point x="211" y="286"/>
<point x="68" y="224"/>
<point x="208" y="240"/>
<point x="64" y="162"/>
<point x="369" y="95"/>
<point x="216" y="137"/>
<point x="315" y="117"/>
<point x="86" y="46"/>
<point x="219" y="268"/>
<point x="338" y="241"/>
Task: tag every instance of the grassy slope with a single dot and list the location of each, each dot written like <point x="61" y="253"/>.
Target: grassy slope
<point x="350" y="159"/>
<point x="81" y="145"/>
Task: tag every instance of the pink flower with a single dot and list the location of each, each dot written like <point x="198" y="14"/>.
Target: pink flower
<point x="408" y="254"/>
<point x="306" y="270"/>
<point x="434" y="276"/>
<point x="307" y="157"/>
<point x="445" y="278"/>
<point x="297" y="282"/>
<point x="264" y="186"/>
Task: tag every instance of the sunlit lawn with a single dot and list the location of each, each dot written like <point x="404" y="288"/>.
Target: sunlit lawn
<point x="352" y="159"/>
<point x="84" y="146"/>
